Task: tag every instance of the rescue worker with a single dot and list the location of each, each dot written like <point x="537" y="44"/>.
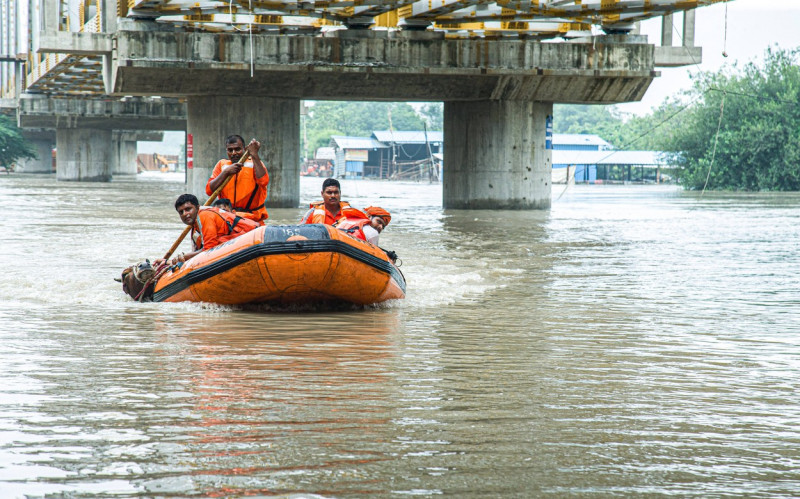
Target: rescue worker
<point x="210" y="226"/>
<point x="223" y="204"/>
<point x="247" y="191"/>
<point x="331" y="209"/>
<point x="367" y="229"/>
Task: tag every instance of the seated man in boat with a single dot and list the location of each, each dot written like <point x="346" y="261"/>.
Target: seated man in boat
<point x="369" y="229"/>
<point x="247" y="191"/>
<point x="331" y="209"/>
<point x="210" y="226"/>
<point x="223" y="204"/>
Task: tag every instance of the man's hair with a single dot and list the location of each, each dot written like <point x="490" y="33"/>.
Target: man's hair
<point x="222" y="202"/>
<point x="331" y="182"/>
<point x="186" y="198"/>
<point x="232" y="139"/>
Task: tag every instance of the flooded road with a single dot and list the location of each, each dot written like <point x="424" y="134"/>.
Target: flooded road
<point x="630" y="341"/>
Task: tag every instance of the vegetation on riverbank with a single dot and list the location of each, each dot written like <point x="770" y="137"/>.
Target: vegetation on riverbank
<point x="735" y="129"/>
<point x="13" y="146"/>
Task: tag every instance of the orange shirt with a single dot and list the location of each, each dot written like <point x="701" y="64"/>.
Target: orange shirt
<point x="214" y="227"/>
<point x="246" y="192"/>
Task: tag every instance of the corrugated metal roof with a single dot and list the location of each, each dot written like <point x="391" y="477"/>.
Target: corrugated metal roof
<point x="325" y="153"/>
<point x="343" y="142"/>
<point x="579" y="139"/>
<point x="408" y="137"/>
<point x="643" y="158"/>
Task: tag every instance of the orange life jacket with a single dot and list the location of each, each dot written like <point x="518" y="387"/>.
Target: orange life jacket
<point x="353" y="227"/>
<point x="246" y="192"/>
<point x="214" y="227"/>
<point x="319" y="215"/>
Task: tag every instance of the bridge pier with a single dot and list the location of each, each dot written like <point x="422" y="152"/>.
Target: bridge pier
<point x="83" y="154"/>
<point x="496" y="155"/>
<point x="43" y="163"/>
<point x="124" y="155"/>
<point x="274" y="122"/>
<point x="87" y="149"/>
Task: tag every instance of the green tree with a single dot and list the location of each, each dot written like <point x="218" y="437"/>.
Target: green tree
<point x="13" y="146"/>
<point x="758" y="144"/>
<point x="433" y="114"/>
<point x="359" y="119"/>
<point x="604" y="121"/>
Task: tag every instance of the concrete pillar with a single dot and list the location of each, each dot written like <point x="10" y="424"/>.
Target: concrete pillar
<point x="124" y="157"/>
<point x="43" y="163"/>
<point x="666" y="31"/>
<point x="274" y="122"/>
<point x="83" y="154"/>
<point x="688" y="28"/>
<point x="495" y="156"/>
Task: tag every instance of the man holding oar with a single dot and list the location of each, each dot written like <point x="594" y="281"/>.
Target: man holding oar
<point x="210" y="226"/>
<point x="247" y="190"/>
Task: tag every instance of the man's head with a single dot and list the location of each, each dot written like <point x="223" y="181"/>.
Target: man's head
<point x="234" y="146"/>
<point x="223" y="204"/>
<point x="331" y="194"/>
<point x="378" y="217"/>
<point x="187" y="207"/>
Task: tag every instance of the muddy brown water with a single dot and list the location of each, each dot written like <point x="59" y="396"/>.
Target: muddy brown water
<point x="630" y="341"/>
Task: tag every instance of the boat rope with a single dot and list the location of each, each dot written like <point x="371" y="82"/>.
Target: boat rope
<point x="725" y="33"/>
<point x="716" y="138"/>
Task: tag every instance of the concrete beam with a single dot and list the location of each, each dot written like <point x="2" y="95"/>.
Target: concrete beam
<point x="66" y="42"/>
<point x="132" y="114"/>
<point x="8" y="105"/>
<point x="670" y="57"/>
<point x="381" y="66"/>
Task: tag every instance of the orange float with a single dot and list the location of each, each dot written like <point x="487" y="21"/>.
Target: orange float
<point x="285" y="264"/>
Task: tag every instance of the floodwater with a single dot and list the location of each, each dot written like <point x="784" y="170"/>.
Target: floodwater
<point x="631" y="341"/>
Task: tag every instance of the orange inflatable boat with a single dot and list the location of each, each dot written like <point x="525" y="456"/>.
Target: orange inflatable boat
<point x="285" y="264"/>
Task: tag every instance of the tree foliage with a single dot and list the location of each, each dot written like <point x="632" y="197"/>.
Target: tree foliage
<point x="13" y="146"/>
<point x="758" y="146"/>
<point x="359" y="119"/>
<point x="589" y="119"/>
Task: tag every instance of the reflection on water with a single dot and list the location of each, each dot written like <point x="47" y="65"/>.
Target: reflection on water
<point x="631" y="341"/>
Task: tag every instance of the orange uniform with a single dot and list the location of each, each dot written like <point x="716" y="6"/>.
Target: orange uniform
<point x="319" y="215"/>
<point x="214" y="227"/>
<point x="246" y="192"/>
<point x="354" y="227"/>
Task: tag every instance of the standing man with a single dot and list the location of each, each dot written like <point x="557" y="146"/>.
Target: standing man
<point x="247" y="190"/>
<point x="331" y="209"/>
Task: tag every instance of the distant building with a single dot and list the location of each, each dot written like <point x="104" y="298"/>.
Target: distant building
<point x="579" y="142"/>
<point x="386" y="154"/>
<point x="608" y="166"/>
<point x="581" y="158"/>
<point x="355" y="156"/>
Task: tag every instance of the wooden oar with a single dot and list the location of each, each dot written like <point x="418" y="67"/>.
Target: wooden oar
<point x="207" y="203"/>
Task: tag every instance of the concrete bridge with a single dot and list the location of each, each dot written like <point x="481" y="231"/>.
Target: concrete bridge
<point x="84" y="68"/>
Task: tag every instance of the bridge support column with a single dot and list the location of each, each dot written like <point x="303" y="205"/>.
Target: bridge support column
<point x="124" y="155"/>
<point x="43" y="163"/>
<point x="274" y="122"/>
<point x="495" y="157"/>
<point x="83" y="154"/>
